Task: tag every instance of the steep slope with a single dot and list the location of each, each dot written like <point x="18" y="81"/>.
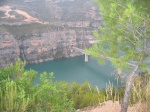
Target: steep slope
<point x="45" y="30"/>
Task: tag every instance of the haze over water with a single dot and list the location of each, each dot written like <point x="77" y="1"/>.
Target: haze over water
<point x="75" y="69"/>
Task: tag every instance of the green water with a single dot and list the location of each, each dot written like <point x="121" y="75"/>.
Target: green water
<point x="75" y="69"/>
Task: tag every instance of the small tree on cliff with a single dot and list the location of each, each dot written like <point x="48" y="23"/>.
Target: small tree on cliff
<point x="124" y="38"/>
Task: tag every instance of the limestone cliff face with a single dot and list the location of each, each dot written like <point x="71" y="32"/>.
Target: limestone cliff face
<point x="52" y="45"/>
<point x="9" y="49"/>
<point x="38" y="48"/>
<point x="41" y="30"/>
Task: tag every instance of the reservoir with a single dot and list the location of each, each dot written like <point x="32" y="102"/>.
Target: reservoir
<point x="75" y="69"/>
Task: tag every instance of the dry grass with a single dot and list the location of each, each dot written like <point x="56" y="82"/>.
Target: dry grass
<point x="139" y="101"/>
<point x="111" y="106"/>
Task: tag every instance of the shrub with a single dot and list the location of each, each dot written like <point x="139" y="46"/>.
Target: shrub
<point x="84" y="95"/>
<point x="17" y="94"/>
<point x="12" y="99"/>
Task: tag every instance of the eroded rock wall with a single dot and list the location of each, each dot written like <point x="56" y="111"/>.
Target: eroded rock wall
<point x="9" y="49"/>
<point x="47" y="46"/>
<point x="52" y="45"/>
<point x="45" y="30"/>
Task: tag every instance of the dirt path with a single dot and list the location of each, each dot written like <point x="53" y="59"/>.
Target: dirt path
<point x="28" y="17"/>
<point x="110" y="106"/>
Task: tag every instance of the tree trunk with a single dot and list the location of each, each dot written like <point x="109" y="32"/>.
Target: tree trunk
<point x="125" y="102"/>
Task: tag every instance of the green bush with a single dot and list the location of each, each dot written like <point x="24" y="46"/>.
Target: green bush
<point x="13" y="99"/>
<point x="84" y="95"/>
<point x="48" y="95"/>
<point x="17" y="94"/>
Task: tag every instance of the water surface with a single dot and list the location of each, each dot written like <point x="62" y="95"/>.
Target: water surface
<point x="75" y="69"/>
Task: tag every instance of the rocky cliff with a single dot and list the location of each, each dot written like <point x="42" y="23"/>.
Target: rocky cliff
<point x="37" y="31"/>
<point x="52" y="45"/>
<point x="47" y="46"/>
<point x="9" y="49"/>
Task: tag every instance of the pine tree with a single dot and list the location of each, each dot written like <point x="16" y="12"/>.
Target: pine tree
<point x="124" y="37"/>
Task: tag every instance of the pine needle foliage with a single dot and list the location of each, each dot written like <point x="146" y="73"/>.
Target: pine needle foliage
<point x="124" y="37"/>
